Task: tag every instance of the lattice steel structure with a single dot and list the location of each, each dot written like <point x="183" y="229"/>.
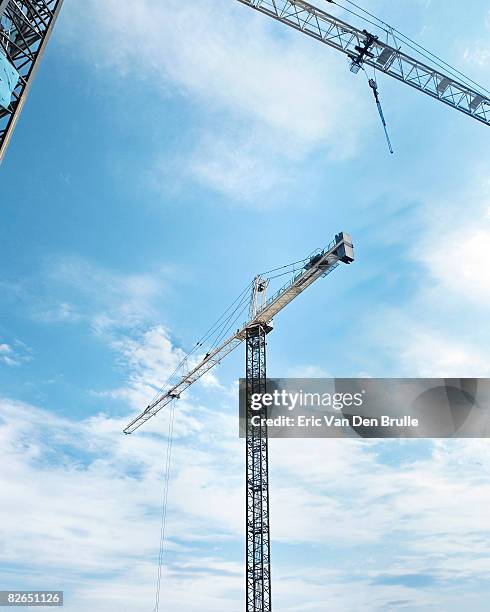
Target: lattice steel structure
<point x="258" y="564"/>
<point x="363" y="47"/>
<point x="261" y="313"/>
<point x="26" y="26"/>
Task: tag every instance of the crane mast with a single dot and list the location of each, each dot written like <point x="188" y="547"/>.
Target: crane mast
<point x="257" y="524"/>
<point x="25" y="28"/>
<point x="364" y="48"/>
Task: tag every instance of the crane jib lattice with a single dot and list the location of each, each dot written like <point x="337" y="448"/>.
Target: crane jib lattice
<point x="431" y="80"/>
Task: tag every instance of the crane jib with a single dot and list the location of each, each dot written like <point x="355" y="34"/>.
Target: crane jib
<point x="340" y="250"/>
<point x="348" y="39"/>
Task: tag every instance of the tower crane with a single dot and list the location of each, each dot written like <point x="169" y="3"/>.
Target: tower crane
<point x="25" y="28"/>
<point x="261" y="313"/>
<point x="388" y="51"/>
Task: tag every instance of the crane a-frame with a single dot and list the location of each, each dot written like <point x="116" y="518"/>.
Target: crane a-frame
<point x="253" y="333"/>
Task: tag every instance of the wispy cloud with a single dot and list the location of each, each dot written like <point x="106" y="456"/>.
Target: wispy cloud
<point x="479" y="53"/>
<point x="149" y="359"/>
<point x="14" y="354"/>
<point x="240" y="170"/>
<point x="74" y="289"/>
<point x="6" y="355"/>
<point x="110" y="298"/>
<point x="94" y="511"/>
<point x="268" y="96"/>
<point x="439" y="328"/>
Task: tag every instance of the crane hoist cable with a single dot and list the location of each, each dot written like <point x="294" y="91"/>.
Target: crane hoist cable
<point x="225" y="323"/>
<point x="163" y="520"/>
<point x="213" y="331"/>
<point x="319" y="265"/>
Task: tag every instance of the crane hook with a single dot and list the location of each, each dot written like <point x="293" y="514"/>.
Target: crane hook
<point x="374" y="87"/>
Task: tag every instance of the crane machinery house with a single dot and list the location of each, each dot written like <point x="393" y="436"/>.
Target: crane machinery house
<point x="9" y="78"/>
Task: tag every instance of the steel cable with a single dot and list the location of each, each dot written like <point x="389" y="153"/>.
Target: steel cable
<point x="163" y="523"/>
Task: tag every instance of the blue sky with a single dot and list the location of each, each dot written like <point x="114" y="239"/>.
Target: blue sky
<point x="167" y="153"/>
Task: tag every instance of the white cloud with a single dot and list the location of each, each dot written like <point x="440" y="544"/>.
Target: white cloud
<point x="427" y="339"/>
<point x="58" y="312"/>
<point x="426" y="353"/>
<point x="270" y="95"/>
<point x="439" y="327"/>
<point x="454" y="244"/>
<point x="308" y="371"/>
<point x="240" y="170"/>
<point x="93" y="510"/>
<point x="73" y="289"/>
<point x="14" y="354"/>
<point x="278" y="80"/>
<point x="9" y="361"/>
<point x="479" y="53"/>
<point x="150" y="360"/>
<point x="152" y="363"/>
<point x="460" y="260"/>
<point x="91" y="522"/>
<point x="111" y="298"/>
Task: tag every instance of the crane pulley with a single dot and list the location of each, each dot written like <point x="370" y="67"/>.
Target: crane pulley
<point x="363" y="52"/>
